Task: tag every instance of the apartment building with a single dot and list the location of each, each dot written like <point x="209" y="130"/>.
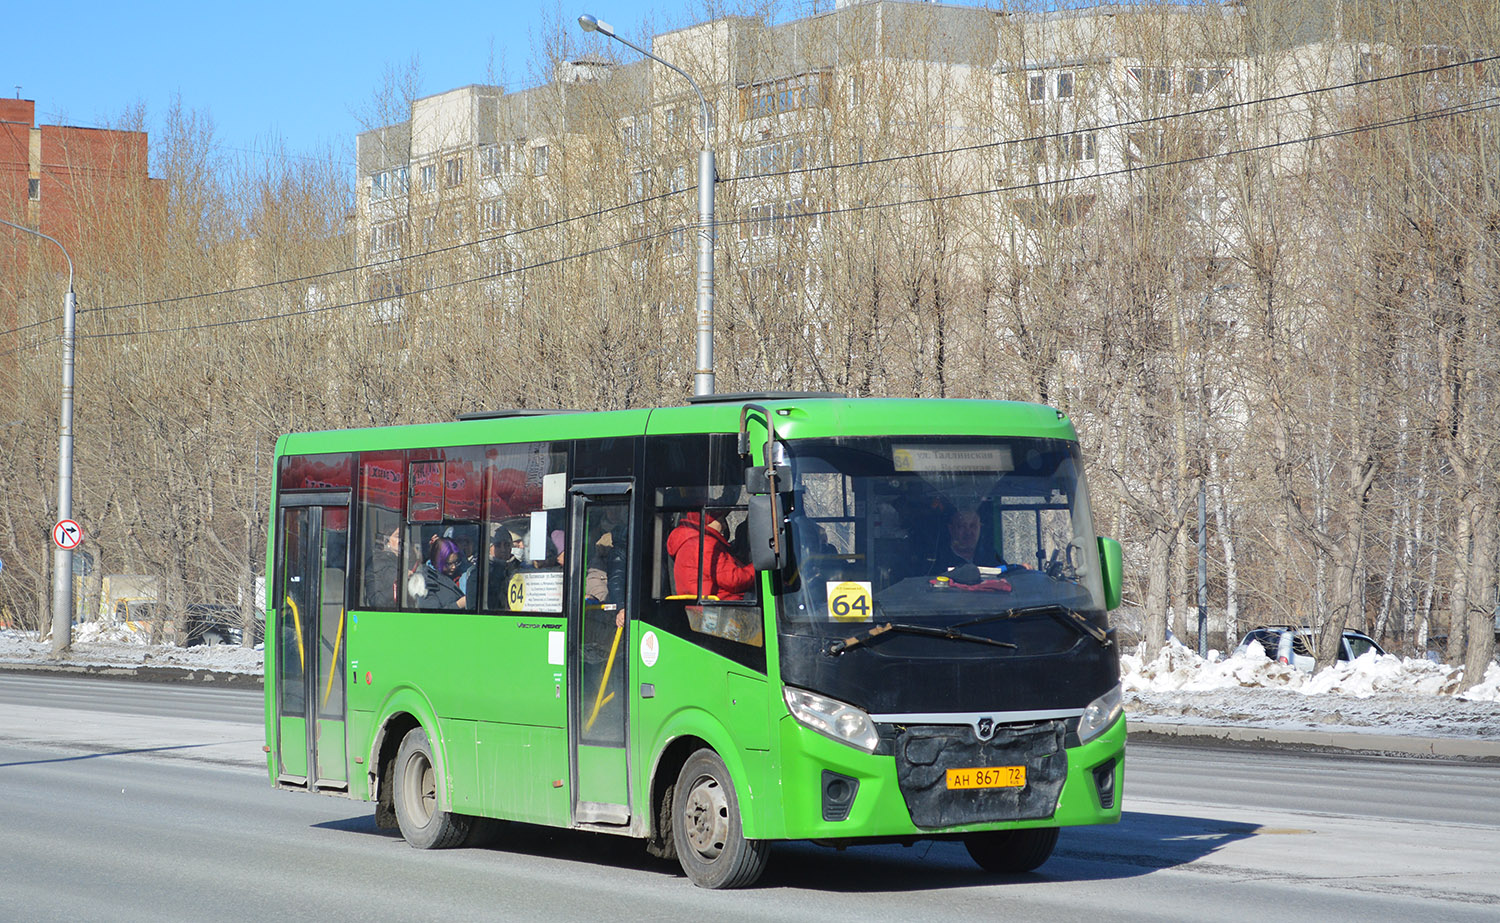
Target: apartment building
<point x="1021" y="125"/>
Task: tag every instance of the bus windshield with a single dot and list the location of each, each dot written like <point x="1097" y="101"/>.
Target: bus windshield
<point x="970" y="549"/>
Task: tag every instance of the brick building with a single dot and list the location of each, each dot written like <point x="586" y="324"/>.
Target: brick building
<point x="54" y="177"/>
<point x="86" y="187"/>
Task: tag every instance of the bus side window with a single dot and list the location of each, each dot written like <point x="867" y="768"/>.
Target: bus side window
<point x="439" y="567"/>
<point x="700" y="587"/>
<point x="524" y="519"/>
<point x="382" y="506"/>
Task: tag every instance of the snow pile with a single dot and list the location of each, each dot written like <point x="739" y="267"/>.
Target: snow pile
<point x="1488" y="690"/>
<point x="1374" y="673"/>
<point x="1178" y="669"/>
<point x="21" y="647"/>
<point x="88" y="632"/>
<point x="97" y="645"/>
<point x="1373" y="695"/>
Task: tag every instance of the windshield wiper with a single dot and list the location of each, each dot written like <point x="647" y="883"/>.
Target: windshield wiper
<point x="1062" y="613"/>
<point x="838" y="647"/>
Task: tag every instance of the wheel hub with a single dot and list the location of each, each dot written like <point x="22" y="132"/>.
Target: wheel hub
<point x="707" y="815"/>
<point x="421" y="788"/>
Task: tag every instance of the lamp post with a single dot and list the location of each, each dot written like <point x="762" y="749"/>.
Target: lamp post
<point x="703" y="376"/>
<point x="62" y="558"/>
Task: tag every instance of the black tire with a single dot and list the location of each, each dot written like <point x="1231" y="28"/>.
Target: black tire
<point x="1011" y="852"/>
<point x="422" y="823"/>
<point x="706" y="828"/>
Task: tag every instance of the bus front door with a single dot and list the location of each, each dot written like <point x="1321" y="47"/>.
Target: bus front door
<point x="312" y="558"/>
<point x="600" y="636"/>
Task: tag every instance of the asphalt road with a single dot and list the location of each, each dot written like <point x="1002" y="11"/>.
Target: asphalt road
<point x="128" y="801"/>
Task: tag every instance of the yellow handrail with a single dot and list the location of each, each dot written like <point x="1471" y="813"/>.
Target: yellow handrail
<point x="297" y="623"/>
<point x="333" y="664"/>
<point x="609" y="664"/>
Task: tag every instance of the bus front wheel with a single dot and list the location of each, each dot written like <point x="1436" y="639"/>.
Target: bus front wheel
<point x="706" y="827"/>
<point x="1011" y="852"/>
<point x="422" y="823"/>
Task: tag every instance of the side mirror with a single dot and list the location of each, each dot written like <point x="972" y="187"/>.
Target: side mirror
<point x="1110" y="567"/>
<point x="766" y="534"/>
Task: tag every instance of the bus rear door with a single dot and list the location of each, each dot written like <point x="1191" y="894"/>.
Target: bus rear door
<point x="312" y="559"/>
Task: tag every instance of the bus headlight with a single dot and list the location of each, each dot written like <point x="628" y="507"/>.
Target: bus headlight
<point x="1099" y="715"/>
<point x="832" y="718"/>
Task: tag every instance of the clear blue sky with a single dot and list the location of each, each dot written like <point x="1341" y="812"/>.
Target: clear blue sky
<point x="297" y="73"/>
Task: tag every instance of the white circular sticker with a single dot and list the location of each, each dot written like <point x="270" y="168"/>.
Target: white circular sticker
<point x="650" y="649"/>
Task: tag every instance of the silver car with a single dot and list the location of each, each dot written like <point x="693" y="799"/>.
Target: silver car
<point x="1295" y="646"/>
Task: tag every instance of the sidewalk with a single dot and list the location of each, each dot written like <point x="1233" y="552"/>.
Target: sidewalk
<point x="1347" y="740"/>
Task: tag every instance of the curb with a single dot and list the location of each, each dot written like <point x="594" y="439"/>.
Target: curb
<point x="1340" y="741"/>
<point x="150" y="674"/>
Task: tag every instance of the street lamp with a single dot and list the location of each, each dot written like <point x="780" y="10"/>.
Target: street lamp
<point x="62" y="558"/>
<point x="703" y="377"/>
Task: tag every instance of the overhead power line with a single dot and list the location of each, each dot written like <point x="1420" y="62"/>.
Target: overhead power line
<point x="362" y="302"/>
<point x="1129" y="123"/>
<point x="395" y="260"/>
<point x="1415" y="118"/>
<point x="599" y="213"/>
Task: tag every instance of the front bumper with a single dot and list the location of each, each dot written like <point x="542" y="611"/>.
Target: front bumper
<point x="1066" y="786"/>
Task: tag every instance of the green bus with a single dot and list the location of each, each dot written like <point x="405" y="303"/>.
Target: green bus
<point x="758" y="617"/>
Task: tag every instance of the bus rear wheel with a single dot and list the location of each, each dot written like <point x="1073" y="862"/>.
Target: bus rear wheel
<point x="422" y="823"/>
<point x="706" y="828"/>
<point x="1011" y="852"/>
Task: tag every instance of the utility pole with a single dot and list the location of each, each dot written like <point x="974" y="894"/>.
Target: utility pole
<point x="703" y="376"/>
<point x="62" y="559"/>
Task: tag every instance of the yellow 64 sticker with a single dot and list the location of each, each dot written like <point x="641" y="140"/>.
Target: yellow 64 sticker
<point x="516" y="592"/>
<point x="850" y="601"/>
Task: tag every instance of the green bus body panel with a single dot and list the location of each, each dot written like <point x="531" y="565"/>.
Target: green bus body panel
<point x="807" y="418"/>
<point x="501" y="740"/>
<point x="477" y="667"/>
<point x="268" y="682"/>
<point x="693" y="699"/>
<point x="812" y="418"/>
<point x="333" y="751"/>
<point x="293" y="728"/>
<point x="461" y="770"/>
<point x="468" y="432"/>
<point x="518" y="767"/>
<point x="601" y="774"/>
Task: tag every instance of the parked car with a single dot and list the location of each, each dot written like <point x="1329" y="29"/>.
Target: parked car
<point x="1295" y="646"/>
<point x="212" y="624"/>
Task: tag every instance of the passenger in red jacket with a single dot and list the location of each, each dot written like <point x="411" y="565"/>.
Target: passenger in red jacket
<point x="724" y="577"/>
